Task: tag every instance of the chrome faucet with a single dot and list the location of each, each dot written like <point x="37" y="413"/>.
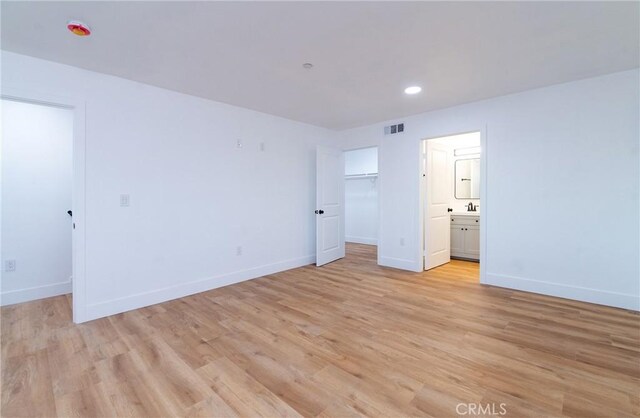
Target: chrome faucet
<point x="471" y="207"/>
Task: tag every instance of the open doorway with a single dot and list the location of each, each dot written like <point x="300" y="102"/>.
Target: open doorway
<point x="361" y="199"/>
<point x="37" y="178"/>
<point x="451" y="199"/>
<point x="76" y="108"/>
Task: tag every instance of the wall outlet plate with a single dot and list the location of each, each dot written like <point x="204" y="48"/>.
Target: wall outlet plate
<point x="124" y="200"/>
<point x="10" y="265"/>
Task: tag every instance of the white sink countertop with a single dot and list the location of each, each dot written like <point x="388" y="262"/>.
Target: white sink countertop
<point x="476" y="213"/>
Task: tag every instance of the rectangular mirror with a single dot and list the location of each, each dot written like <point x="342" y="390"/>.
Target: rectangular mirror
<point x="467" y="178"/>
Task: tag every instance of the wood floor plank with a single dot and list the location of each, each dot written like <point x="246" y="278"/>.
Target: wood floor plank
<point x="91" y="401"/>
<point x="350" y="338"/>
<point x="242" y="392"/>
<point x="27" y="388"/>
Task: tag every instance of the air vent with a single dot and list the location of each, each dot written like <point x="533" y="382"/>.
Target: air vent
<point x="394" y="129"/>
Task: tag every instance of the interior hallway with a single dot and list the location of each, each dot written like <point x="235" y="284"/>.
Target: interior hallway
<point x="349" y="338"/>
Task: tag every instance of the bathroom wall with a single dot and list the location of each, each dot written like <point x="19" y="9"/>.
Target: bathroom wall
<point x="452" y="143"/>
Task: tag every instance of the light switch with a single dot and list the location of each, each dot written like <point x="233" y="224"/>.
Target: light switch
<point x="124" y="200"/>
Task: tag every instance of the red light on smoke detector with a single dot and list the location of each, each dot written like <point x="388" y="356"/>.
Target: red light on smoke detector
<point x="78" y="28"/>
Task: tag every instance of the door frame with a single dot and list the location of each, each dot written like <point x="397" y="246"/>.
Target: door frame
<point x="484" y="202"/>
<point x="379" y="203"/>
<point x="78" y="196"/>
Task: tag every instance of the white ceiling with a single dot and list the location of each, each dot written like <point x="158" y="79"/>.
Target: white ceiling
<point x="364" y="53"/>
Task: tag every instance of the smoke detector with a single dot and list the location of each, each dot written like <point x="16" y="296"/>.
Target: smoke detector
<point x="78" y="28"/>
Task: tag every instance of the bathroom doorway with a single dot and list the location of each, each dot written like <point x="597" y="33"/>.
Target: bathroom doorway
<point x="451" y="201"/>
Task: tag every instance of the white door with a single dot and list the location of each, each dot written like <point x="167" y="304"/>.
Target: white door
<point x="437" y="227"/>
<point x="329" y="205"/>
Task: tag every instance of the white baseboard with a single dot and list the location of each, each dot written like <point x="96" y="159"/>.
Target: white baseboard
<point x="361" y="240"/>
<point x="153" y="297"/>
<point x="584" y="294"/>
<point x="399" y="263"/>
<point x="34" y="293"/>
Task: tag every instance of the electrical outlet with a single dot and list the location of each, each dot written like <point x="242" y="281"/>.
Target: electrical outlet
<point x="402" y="242"/>
<point x="239" y="250"/>
<point x="10" y="265"/>
<point x="124" y="200"/>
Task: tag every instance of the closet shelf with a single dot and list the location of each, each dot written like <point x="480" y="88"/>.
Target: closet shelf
<point x="360" y="176"/>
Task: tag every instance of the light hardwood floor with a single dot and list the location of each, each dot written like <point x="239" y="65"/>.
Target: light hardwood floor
<point x="347" y="339"/>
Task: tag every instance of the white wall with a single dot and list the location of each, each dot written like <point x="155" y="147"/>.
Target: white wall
<point x="361" y="161"/>
<point x="361" y="196"/>
<point x="195" y="196"/>
<point x="36" y="191"/>
<point x="561" y="214"/>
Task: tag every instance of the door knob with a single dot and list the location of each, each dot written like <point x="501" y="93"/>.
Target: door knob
<point x="449" y="210"/>
<point x="319" y="212"/>
<point x="70" y="213"/>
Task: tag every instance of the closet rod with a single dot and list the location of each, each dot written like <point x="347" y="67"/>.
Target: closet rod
<point x="360" y="176"/>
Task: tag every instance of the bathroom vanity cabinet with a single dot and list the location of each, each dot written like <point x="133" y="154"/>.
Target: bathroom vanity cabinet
<point x="465" y="236"/>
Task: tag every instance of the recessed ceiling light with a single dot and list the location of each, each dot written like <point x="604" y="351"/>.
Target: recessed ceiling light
<point x="413" y="90"/>
<point x="78" y="28"/>
<point x="307" y="65"/>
